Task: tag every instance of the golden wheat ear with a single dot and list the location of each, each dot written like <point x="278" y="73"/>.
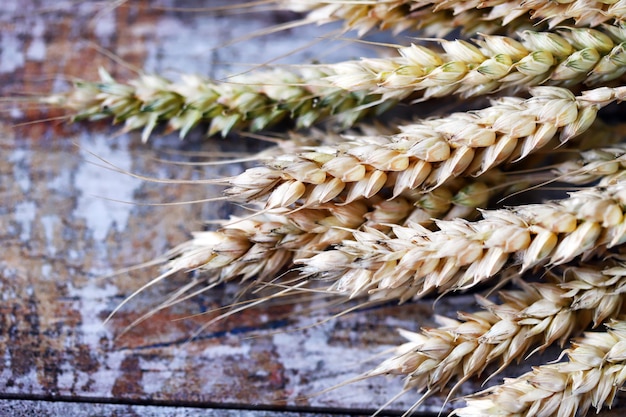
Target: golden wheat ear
<point x="533" y="317"/>
<point x="425" y="155"/>
<point x="490" y="63"/>
<point x="435" y="18"/>
<point x="590" y="378"/>
<point x="462" y="254"/>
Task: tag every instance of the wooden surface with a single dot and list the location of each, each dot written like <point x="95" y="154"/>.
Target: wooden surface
<point x="62" y="235"/>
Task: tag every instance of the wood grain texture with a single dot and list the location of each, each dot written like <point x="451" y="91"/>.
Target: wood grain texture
<point x="62" y="235"/>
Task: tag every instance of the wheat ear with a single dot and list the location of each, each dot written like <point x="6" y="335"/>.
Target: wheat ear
<point x="398" y="16"/>
<point x="265" y="243"/>
<point x="441" y="17"/>
<point x="588" y="13"/>
<point x="536" y="316"/>
<point x="426" y="154"/>
<point x="606" y="164"/>
<point x="251" y="102"/>
<point x="262" y="245"/>
<point x="463" y="254"/>
<point x="595" y="372"/>
<point x="489" y="64"/>
<point x="348" y="90"/>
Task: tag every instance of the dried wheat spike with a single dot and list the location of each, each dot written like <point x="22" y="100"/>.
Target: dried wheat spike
<point x="462" y="254"/>
<point x="606" y="164"/>
<point x="262" y="245"/>
<point x="426" y="154"/>
<point x="595" y="372"/>
<point x="582" y="13"/>
<point x="567" y="57"/>
<point x="597" y="288"/>
<point x="268" y="242"/>
<point x="440" y="17"/>
<point x="536" y="316"/>
<point x="393" y="15"/>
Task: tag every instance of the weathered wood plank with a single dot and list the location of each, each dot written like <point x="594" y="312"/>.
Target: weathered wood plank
<point x="61" y="234"/>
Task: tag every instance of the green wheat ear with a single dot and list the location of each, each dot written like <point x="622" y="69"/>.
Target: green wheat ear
<point x="252" y="102"/>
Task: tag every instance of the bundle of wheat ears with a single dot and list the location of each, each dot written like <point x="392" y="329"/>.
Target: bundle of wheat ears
<point x="411" y="209"/>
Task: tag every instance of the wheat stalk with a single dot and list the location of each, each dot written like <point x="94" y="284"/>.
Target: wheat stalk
<point x="426" y="154"/>
<point x="536" y="316"/>
<point x="596" y="370"/>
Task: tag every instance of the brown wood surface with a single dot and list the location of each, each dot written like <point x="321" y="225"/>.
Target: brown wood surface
<point x="62" y="235"/>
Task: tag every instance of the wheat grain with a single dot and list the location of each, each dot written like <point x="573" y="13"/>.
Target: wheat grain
<point x="596" y="370"/>
<point x="426" y="154"/>
<point x="457" y="199"/>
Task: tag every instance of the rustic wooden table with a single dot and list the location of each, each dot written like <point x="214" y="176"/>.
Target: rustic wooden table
<point x="62" y="235"/>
